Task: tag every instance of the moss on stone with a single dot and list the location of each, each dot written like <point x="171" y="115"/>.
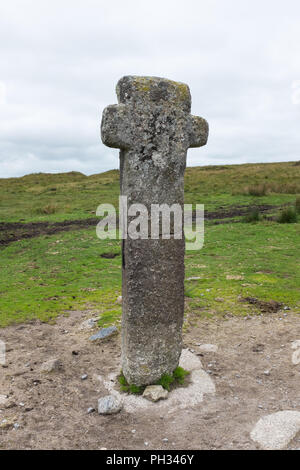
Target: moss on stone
<point x="129" y="388"/>
<point x="181" y="89"/>
<point x="167" y="381"/>
<point x="142" y="84"/>
<point x="173" y="380"/>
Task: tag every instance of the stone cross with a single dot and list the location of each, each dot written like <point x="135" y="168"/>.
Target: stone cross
<point x="153" y="127"/>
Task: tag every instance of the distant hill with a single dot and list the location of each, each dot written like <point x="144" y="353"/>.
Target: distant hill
<point x="73" y="195"/>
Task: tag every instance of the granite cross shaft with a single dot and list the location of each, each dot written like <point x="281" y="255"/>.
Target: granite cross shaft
<point x="153" y="128"/>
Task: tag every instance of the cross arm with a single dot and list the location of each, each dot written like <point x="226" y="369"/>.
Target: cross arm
<point x="115" y="132"/>
<point x="198" y="131"/>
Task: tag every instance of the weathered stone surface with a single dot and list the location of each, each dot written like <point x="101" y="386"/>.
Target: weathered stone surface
<point x="199" y="384"/>
<point x="109" y="405"/>
<point x="153" y="127"/>
<point x="104" y="333"/>
<point x="275" y="431"/>
<point x="155" y="393"/>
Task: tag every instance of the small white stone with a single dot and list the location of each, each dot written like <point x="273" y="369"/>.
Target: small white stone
<point x="53" y="365"/>
<point x="266" y="372"/>
<point x="109" y="404"/>
<point x="296" y="357"/>
<point x="295" y="344"/>
<point x="88" y="324"/>
<point x="3" y="399"/>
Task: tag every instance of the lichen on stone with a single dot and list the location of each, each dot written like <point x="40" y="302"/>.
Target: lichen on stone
<point x="153" y="127"/>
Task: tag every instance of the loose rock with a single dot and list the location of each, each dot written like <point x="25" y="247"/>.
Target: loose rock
<point x="104" y="333"/>
<point x="295" y="344"/>
<point x="155" y="393"/>
<point x="296" y="357"/>
<point x="53" y="365"/>
<point x="3" y="399"/>
<point x="7" y="423"/>
<point x="88" y="324"/>
<point x="109" y="404"/>
<point x="275" y="431"/>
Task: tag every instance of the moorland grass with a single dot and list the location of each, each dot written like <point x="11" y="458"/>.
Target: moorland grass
<point x="46" y="276"/>
<point x="43" y="277"/>
<point x="69" y="196"/>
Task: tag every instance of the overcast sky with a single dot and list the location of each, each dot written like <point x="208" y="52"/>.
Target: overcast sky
<point x="60" y="61"/>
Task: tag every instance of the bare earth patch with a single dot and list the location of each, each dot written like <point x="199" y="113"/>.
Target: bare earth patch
<point x="251" y="369"/>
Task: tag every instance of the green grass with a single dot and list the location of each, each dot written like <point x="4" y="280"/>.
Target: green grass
<point x="252" y="217"/>
<point x="166" y="381"/>
<point x="129" y="388"/>
<point x="66" y="196"/>
<point x="266" y="258"/>
<point x="297" y="205"/>
<point x="173" y="380"/>
<point x="288" y="216"/>
<point x="46" y="276"/>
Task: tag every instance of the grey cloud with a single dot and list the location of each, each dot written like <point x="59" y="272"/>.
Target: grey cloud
<point x="60" y="61"/>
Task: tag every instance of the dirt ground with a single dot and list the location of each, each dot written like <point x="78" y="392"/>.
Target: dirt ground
<point x="51" y="409"/>
<point x="16" y="231"/>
